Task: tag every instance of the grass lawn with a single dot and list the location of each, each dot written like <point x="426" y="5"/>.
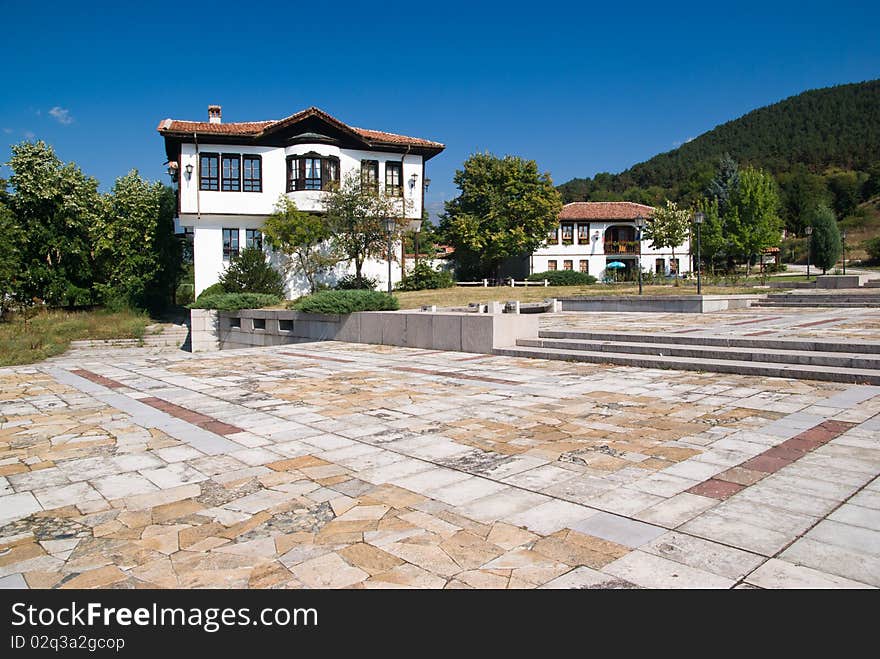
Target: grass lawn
<point x="459" y="296"/>
<point x="50" y="332"/>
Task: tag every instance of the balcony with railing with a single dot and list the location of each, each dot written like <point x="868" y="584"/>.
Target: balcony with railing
<point x="622" y="247"/>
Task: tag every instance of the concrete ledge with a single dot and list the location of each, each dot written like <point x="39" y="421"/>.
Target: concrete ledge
<point x="659" y="303"/>
<point x="840" y="281"/>
<point x="458" y="331"/>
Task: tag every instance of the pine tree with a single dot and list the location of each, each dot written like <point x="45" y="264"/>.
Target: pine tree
<point x="825" y="245"/>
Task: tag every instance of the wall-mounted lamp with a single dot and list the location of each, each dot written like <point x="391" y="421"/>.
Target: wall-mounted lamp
<point x="173" y="171"/>
<point x="412" y="181"/>
<point x="427" y="182"/>
<point x="595" y="235"/>
<point x="189" y="171"/>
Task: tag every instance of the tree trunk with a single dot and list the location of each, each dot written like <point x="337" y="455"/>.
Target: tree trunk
<point x="358" y="266"/>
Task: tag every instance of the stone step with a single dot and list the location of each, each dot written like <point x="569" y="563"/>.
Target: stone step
<point x="760" y="369"/>
<point x="803" y="357"/>
<point x="828" y="305"/>
<point x="755" y="343"/>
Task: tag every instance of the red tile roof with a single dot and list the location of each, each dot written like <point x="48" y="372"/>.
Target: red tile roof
<point x="604" y="210"/>
<point x="259" y="128"/>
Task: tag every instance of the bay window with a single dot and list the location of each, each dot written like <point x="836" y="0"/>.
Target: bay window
<point x="312" y="172"/>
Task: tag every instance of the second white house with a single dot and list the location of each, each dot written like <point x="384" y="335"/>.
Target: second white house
<point x="593" y="235"/>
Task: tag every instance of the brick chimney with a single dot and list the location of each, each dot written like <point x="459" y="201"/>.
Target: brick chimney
<point x="214" y="114"/>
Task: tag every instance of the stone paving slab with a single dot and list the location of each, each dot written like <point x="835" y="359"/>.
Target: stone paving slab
<point x="358" y="466"/>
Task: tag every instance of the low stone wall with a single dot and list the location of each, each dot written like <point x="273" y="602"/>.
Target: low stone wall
<point x="463" y="332"/>
<point x="840" y="281"/>
<point x="659" y="303"/>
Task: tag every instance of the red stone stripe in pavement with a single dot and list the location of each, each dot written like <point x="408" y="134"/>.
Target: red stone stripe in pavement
<point x="197" y="419"/>
<point x="819" y="322"/>
<point x="317" y="357"/>
<point x="755" y="320"/>
<point x="97" y="379"/>
<point x="774" y="459"/>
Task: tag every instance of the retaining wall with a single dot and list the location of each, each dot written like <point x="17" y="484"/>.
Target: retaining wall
<point x="659" y="303"/>
<point x="463" y="332"/>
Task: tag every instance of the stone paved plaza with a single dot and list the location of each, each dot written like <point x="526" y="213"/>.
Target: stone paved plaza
<point x="343" y="465"/>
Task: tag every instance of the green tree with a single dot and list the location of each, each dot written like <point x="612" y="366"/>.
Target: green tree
<point x="505" y="209"/>
<point x="801" y="192"/>
<point x="10" y="260"/>
<point x="250" y="272"/>
<point x="303" y="239"/>
<point x="137" y="254"/>
<point x="825" y="245"/>
<point x="56" y="206"/>
<point x="725" y="184"/>
<point x="356" y="216"/>
<point x="668" y="226"/>
<point x="712" y="241"/>
<point x="755" y="224"/>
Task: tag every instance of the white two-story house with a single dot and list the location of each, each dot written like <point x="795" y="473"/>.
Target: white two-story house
<point x="230" y="176"/>
<point x="593" y="234"/>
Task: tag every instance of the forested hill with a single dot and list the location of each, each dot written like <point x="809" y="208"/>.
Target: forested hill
<point x="835" y="127"/>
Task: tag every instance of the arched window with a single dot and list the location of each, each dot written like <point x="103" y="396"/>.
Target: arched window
<point x="311" y="171"/>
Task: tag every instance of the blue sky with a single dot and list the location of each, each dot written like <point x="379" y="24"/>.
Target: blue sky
<point x="581" y="88"/>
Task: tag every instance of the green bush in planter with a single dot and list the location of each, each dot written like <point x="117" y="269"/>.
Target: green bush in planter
<point x="212" y="290"/>
<point x="250" y="272"/>
<point x="355" y="283"/>
<point x="340" y="302"/>
<point x="235" y="301"/>
<point x="563" y="278"/>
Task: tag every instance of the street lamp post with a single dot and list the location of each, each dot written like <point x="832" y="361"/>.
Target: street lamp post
<point x="843" y="242"/>
<point x="699" y="218"/>
<point x="640" y="221"/>
<point x="390" y="223"/>
<point x="809" y="232"/>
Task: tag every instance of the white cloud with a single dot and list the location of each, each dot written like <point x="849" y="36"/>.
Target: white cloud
<point x="690" y="139"/>
<point x="28" y="135"/>
<point x="61" y="115"/>
<point x="8" y="131"/>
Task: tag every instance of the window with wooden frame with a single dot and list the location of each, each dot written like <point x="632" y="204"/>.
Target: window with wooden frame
<point x="230" y="172"/>
<point x="553" y="236"/>
<point x="252" y="173"/>
<point x="567" y="233"/>
<point x="567" y="265"/>
<point x="551" y="265"/>
<point x="583" y="233"/>
<point x="394" y="178"/>
<point x="312" y="171"/>
<point x="370" y="175"/>
<point x="585" y="266"/>
<point x="230" y="244"/>
<point x="209" y="171"/>
<point x="253" y="238"/>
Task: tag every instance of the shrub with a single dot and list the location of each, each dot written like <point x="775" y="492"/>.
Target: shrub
<point x="184" y="293"/>
<point x="250" y="272"/>
<point x="346" y="302"/>
<point x="213" y="289"/>
<point x="235" y="301"/>
<point x="563" y="278"/>
<point x="772" y="267"/>
<point x="872" y="246"/>
<point x="354" y="283"/>
<point x="423" y="276"/>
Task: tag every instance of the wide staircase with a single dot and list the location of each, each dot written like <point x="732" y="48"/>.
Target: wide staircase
<point x="160" y="335"/>
<point x="808" y="359"/>
<point x="841" y="299"/>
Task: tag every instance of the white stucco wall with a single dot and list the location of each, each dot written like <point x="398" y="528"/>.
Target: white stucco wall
<point x="594" y="252"/>
<point x="274" y="163"/>
<point x="209" y="263"/>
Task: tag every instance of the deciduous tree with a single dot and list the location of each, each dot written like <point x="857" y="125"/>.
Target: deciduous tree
<point x="505" y="208"/>
<point x="57" y="207"/>
<point x="356" y="214"/>
<point x="668" y="226"/>
<point x="303" y="239"/>
<point x="137" y="254"/>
